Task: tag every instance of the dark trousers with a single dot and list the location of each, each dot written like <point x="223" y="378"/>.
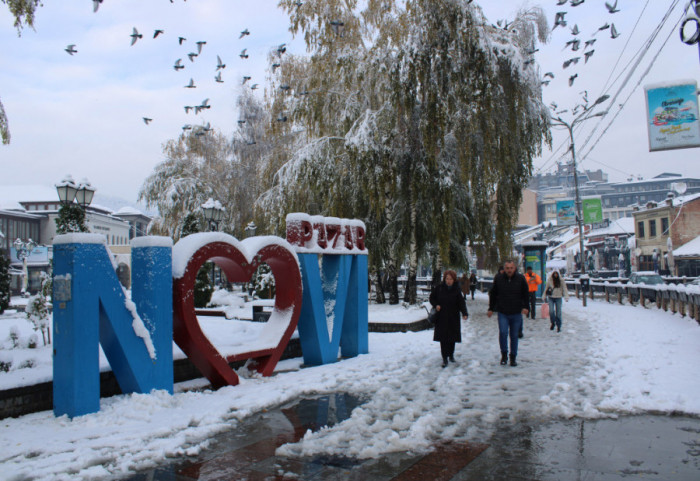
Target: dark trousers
<point x="533" y="305"/>
<point x="473" y="289"/>
<point x="447" y="348"/>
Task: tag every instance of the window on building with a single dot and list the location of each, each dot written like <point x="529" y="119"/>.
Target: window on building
<point x="640" y="229"/>
<point x="652" y="228"/>
<point x="664" y="225"/>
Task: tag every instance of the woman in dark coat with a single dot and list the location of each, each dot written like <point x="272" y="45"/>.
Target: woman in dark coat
<point x="448" y="300"/>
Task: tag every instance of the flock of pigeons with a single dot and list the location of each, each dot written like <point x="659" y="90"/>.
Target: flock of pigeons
<point x="220" y="65"/>
<point x="575" y="43"/>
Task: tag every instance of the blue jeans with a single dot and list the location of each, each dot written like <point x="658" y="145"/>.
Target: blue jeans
<point x="555" y="310"/>
<point x="506" y="323"/>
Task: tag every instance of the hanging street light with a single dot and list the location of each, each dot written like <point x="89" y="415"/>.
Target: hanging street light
<point x="67" y="190"/>
<point x="213" y="213"/>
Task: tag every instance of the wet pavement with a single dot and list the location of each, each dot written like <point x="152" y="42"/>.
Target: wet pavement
<point x="644" y="447"/>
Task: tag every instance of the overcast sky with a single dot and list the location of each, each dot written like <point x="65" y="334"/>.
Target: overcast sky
<point x="82" y="114"/>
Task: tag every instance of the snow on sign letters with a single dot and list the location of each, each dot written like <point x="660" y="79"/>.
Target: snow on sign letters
<point x="672" y="110"/>
<point x="91" y="308"/>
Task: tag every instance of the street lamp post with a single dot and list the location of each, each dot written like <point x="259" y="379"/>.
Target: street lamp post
<point x="213" y="213"/>
<point x="24" y="249"/>
<point x="72" y="217"/>
<point x="250" y="229"/>
<point x="559" y="122"/>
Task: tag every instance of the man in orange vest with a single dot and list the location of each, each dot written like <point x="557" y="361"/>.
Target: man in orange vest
<point x="533" y="282"/>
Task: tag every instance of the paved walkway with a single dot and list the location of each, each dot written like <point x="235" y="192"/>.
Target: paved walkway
<point x="636" y="447"/>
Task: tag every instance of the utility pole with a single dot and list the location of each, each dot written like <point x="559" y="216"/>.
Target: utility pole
<point x="559" y="122"/>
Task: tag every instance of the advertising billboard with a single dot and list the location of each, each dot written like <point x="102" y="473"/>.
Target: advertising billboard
<point x="592" y="210"/>
<point x="566" y="212"/>
<point x="672" y="115"/>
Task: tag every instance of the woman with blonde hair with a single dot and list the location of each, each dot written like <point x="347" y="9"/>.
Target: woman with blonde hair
<point x="554" y="290"/>
<point x="449" y="302"/>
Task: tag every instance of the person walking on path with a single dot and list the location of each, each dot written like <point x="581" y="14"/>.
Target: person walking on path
<point x="464" y="285"/>
<point x="472" y="284"/>
<point x="533" y="282"/>
<point x="554" y="290"/>
<point x="509" y="296"/>
<point x="449" y="302"/>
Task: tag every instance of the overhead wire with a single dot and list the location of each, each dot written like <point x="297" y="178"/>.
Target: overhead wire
<point x="643" y="76"/>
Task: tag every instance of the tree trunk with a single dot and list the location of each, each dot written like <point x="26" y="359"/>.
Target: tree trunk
<point x="411" y="295"/>
<point x="393" y="279"/>
<point x="379" y="287"/>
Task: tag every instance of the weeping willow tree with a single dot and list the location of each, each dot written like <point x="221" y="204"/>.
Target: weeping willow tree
<point x="420" y="118"/>
<point x="196" y="167"/>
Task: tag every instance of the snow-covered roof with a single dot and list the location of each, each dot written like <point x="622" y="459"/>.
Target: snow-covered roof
<point x="689" y="249"/>
<point x="127" y="210"/>
<point x="12" y="195"/>
<point x="624" y="225"/>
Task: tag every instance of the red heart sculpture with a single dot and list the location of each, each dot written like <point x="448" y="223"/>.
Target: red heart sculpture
<point x="238" y="260"/>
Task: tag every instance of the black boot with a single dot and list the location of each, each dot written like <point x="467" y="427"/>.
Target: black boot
<point x="512" y="361"/>
<point x="444" y="362"/>
<point x="551" y="327"/>
<point x="504" y="358"/>
<point x="452" y="358"/>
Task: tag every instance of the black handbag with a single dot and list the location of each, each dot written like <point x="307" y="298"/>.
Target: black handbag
<point x="432" y="316"/>
<point x="548" y="292"/>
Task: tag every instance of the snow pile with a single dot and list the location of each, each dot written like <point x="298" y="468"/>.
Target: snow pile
<point x="608" y="360"/>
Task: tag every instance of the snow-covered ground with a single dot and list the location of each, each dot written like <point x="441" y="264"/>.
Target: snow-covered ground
<point x="608" y="360"/>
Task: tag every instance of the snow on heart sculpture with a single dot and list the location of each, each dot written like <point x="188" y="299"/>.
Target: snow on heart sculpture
<point x="136" y="331"/>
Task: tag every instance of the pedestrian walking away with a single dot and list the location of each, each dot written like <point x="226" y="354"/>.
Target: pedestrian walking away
<point x="533" y="283"/>
<point x="509" y="296"/>
<point x="464" y="285"/>
<point x="554" y="290"/>
<point x="448" y="300"/>
<point x="472" y="284"/>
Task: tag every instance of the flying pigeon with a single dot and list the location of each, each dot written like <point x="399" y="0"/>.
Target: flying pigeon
<point x="254" y="87"/>
<point x="545" y="82"/>
<point x="561" y="2"/>
<point x="574" y="44"/>
<point x="157" y="32"/>
<point x="612" y="8"/>
<point x="244" y="33"/>
<point x="241" y="122"/>
<point x="243" y="54"/>
<point x="135" y="36"/>
<point x="218" y="78"/>
<point x="604" y="27"/>
<point x="252" y="142"/>
<point x="575" y="30"/>
<point x="146" y="120"/>
<point x="192" y="55"/>
<point x="613" y="31"/>
<point x="219" y="63"/>
<point x="589" y="42"/>
<point x="549" y="74"/>
<point x="187" y="127"/>
<point x="532" y="50"/>
<point x="205" y="104"/>
<point x="188" y="108"/>
<point x="200" y="44"/>
<point x="245" y="79"/>
<point x="274" y="66"/>
<point x="559" y="20"/>
<point x="305" y="92"/>
<point x="572" y="78"/>
<point x="281" y="49"/>
<point x="96" y="5"/>
<point x="282" y="118"/>
<point x="298" y="4"/>
<point x="570" y="61"/>
<point x="178" y="65"/>
<point x="180" y="40"/>
<point x="285" y="87"/>
<point x="207" y="127"/>
<point x="576" y="3"/>
<point x="191" y="85"/>
<point x="587" y="55"/>
<point x="71" y="49"/>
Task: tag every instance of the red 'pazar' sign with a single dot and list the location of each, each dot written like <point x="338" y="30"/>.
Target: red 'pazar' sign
<point x="325" y="235"/>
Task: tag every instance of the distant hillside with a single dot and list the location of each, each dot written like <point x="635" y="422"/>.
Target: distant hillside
<point x="115" y="203"/>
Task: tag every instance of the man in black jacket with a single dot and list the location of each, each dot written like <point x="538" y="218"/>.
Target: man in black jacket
<point x="509" y="296"/>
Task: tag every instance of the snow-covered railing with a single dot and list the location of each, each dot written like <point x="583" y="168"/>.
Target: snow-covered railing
<point x="680" y="298"/>
<point x="684" y="299"/>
